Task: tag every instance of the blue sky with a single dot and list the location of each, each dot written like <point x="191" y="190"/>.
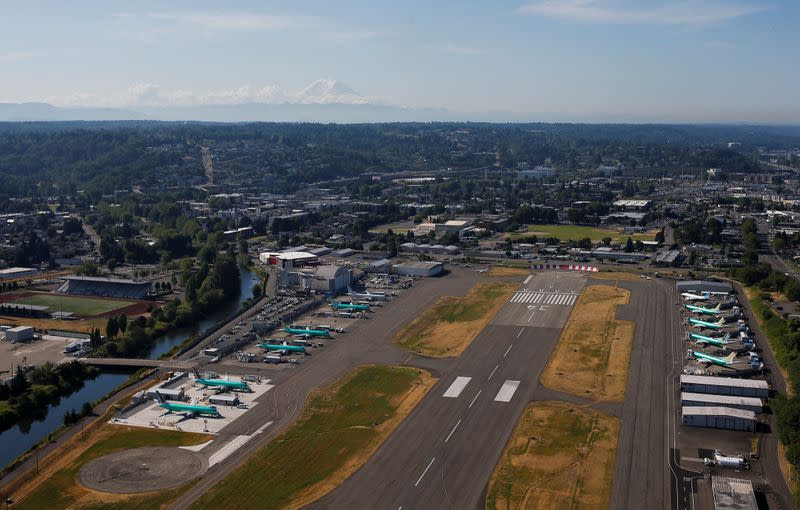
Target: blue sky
<point x="682" y="60"/>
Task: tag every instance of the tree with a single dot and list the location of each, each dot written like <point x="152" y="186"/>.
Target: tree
<point x="112" y="328"/>
<point x="19" y="383"/>
<point x="122" y="322"/>
<point x="111" y="264"/>
<point x="778" y="243"/>
<point x="629" y="245"/>
<point x="660" y="236"/>
<point x="606" y="241"/>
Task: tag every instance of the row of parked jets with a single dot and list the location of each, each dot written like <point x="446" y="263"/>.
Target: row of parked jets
<point x="705" y="340"/>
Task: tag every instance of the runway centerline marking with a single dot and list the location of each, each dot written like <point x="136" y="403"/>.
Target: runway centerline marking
<point x="531" y="317"/>
<point x="527" y="279"/>
<point x="507" y="391"/>
<point x="423" y="473"/>
<point x="474" y="399"/>
<point x="520" y="332"/>
<point x="452" y="431"/>
<point x="507" y="350"/>
<point x="493" y="371"/>
<point x="457" y="387"/>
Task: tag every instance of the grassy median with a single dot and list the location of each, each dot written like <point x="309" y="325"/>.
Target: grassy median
<point x="559" y="456"/>
<point x="449" y="326"/>
<point x="59" y="487"/>
<point x="592" y="356"/>
<point x="339" y="430"/>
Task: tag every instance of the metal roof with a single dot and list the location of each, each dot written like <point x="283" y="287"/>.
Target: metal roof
<point x="729" y="400"/>
<point x="724" y="381"/>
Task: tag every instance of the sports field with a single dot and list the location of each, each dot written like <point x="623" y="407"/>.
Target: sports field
<point x="578" y="232"/>
<point x="79" y="305"/>
<point x="337" y="433"/>
<point x="559" y="456"/>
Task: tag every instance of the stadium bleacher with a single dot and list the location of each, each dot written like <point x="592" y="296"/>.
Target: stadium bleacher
<point x="104" y="287"/>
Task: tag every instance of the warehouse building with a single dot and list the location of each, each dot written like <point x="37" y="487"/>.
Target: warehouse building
<point x="696" y="286"/>
<point x="733" y="493"/>
<point x="286" y="260"/>
<point x="725" y="386"/>
<point x="709" y="400"/>
<point x="329" y="279"/>
<point x="166" y="393"/>
<point x="17" y="272"/>
<point x="719" y="418"/>
<point x="19" y="334"/>
<point x="224" y="400"/>
<point x="419" y="268"/>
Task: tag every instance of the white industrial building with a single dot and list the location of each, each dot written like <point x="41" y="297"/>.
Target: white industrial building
<point x="697" y="286"/>
<point x="166" y="393"/>
<point x="17" y="272"/>
<point x="20" y="334"/>
<point x="719" y="418"/>
<point x="287" y="260"/>
<point x="419" y="268"/>
<point x="224" y="400"/>
<point x="724" y="386"/>
<point x="331" y="279"/>
<point x="709" y="400"/>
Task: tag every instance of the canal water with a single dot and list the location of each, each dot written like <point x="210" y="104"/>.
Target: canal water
<point x="18" y="439"/>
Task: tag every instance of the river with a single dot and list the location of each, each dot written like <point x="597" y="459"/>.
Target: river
<point x="18" y="439"/>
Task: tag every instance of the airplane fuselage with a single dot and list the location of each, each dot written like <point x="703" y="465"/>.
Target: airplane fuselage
<point x="308" y="332"/>
<point x="222" y="383"/>
<point x="704" y="311"/>
<point x="282" y="347"/>
<point x="189" y="408"/>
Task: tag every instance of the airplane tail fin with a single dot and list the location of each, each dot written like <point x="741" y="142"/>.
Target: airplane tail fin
<point x="159" y="398"/>
<point x="194" y="401"/>
<point x="726" y="337"/>
<point x="196" y="373"/>
<point x="721" y="321"/>
<point x="729" y="357"/>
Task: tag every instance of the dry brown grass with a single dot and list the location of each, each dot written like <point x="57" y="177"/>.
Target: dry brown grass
<point x="592" y="356"/>
<point x="449" y="326"/>
<point x="559" y="456"/>
<point x="78" y="326"/>
<point x="404" y="404"/>
<point x="508" y="271"/>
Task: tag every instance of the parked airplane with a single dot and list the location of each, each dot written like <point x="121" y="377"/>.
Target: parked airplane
<point x="738" y="462"/>
<point x="221" y="383"/>
<point x="284" y="347"/>
<point x="705" y="311"/>
<point x="707" y="340"/>
<point x="349" y="306"/>
<point x="688" y="296"/>
<point x="485" y="269"/>
<point x="188" y="410"/>
<point x="709" y="359"/>
<point x="711" y="325"/>
<point x="369" y="296"/>
<point x="307" y="332"/>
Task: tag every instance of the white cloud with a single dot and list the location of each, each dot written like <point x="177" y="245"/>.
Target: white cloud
<point x="324" y="91"/>
<point x="660" y="12"/>
<point x="461" y="50"/>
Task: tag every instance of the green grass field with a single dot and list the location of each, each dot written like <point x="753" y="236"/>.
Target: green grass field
<point x="338" y="428"/>
<point x="63" y="491"/>
<point x="85" y="306"/>
<point x="578" y="232"/>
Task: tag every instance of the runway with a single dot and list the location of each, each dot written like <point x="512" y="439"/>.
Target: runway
<point x="443" y="454"/>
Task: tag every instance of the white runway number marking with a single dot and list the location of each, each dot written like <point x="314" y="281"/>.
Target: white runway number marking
<point x="457" y="387"/>
<point x="507" y="391"/>
<point x="549" y="298"/>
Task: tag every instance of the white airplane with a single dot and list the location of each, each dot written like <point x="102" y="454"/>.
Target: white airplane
<point x="367" y="295"/>
<point x="485" y="269"/>
<point x="737" y="462"/>
<point x="688" y="296"/>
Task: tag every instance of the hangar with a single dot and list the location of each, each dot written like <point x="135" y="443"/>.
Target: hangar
<point x="719" y="418"/>
<point x="703" y="286"/>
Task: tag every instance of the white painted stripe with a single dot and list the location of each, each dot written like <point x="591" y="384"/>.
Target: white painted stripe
<point x="549" y="299"/>
<point x="225" y="452"/>
<point x="572" y="300"/>
<point x="527" y="279"/>
<point x="563" y="299"/>
<point x="262" y="427"/>
<point x="508" y="350"/>
<point x="493" y="371"/>
<point x="520" y="332"/>
<point x="457" y="387"/>
<point x="529" y="297"/>
<point x="452" y="431"/>
<point x="474" y="399"/>
<point x="423" y="473"/>
<point x="516" y="297"/>
<point x="538" y="298"/>
<point x="506" y="391"/>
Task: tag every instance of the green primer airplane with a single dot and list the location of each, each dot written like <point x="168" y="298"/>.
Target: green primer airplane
<point x="190" y="410"/>
<point x="307" y="332"/>
<point x="704" y="311"/>
<point x="707" y="358"/>
<point x="349" y="306"/>
<point x="221" y="383"/>
<point x="284" y="347"/>
<point x="708" y="340"/>
<point x="712" y="325"/>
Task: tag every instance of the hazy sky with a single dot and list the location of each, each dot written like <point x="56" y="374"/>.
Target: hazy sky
<point x="696" y="60"/>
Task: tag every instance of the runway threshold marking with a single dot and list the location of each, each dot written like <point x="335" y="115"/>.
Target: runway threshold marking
<point x="452" y="431"/>
<point x="457" y="387"/>
<point x="493" y="371"/>
<point x="474" y="399"/>
<point x="426" y="470"/>
<point x="507" y="391"/>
